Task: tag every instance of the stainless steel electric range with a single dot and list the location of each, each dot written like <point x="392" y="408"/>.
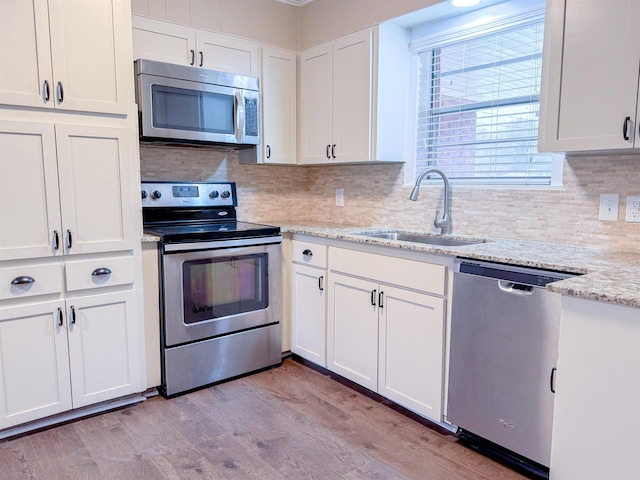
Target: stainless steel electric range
<point x="221" y="293"/>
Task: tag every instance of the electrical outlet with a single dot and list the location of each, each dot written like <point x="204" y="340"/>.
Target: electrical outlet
<point x="633" y="209"/>
<point x="609" y="207"/>
<point x="339" y="197"/>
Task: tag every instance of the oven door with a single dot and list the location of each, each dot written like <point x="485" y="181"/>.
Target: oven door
<point x="208" y="293"/>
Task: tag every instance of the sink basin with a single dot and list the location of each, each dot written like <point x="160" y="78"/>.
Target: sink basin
<point x="417" y="238"/>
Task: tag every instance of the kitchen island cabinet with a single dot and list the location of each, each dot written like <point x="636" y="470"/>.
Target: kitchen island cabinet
<point x="589" y="91"/>
<point x="48" y="63"/>
<point x="597" y="415"/>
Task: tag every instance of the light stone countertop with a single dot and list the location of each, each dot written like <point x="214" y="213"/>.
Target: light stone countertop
<point x="146" y="238"/>
<point x="607" y="276"/>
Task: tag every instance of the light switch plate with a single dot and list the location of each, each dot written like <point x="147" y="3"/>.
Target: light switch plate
<point x="633" y="209"/>
<point x="609" y="207"/>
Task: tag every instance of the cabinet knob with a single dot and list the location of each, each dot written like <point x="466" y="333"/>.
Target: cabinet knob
<point x="307" y="253"/>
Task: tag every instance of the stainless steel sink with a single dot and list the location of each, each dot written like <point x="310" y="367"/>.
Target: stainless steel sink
<point x="418" y="238"/>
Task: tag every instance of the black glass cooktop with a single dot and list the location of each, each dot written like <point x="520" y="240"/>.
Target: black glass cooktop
<point x="179" y="233"/>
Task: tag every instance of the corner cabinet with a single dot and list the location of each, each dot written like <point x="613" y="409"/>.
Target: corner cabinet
<point x="589" y="92"/>
<point x="76" y="180"/>
<point x="353" y="98"/>
<point x="171" y="43"/>
<point x="597" y="392"/>
<point x="48" y="63"/>
<point x="386" y="327"/>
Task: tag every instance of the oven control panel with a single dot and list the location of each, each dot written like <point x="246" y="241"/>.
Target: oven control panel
<point x="183" y="194"/>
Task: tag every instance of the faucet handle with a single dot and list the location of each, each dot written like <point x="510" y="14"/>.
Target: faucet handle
<point x="437" y="222"/>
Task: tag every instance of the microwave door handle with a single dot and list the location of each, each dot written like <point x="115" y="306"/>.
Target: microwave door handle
<point x="240" y="116"/>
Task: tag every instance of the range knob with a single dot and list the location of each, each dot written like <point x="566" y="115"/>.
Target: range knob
<point x="144" y="194"/>
<point x="214" y="194"/>
<point x="156" y="194"/>
<point x="226" y="194"/>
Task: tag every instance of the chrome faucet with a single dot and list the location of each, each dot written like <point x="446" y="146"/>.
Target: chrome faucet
<point x="444" y="223"/>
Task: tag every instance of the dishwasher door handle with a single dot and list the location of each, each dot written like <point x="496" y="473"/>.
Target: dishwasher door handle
<point x="516" y="288"/>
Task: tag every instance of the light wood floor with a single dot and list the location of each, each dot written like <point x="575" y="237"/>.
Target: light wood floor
<point x="287" y="423"/>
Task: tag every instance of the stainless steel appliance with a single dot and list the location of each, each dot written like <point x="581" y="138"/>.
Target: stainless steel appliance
<point x="221" y="294"/>
<point x="185" y="104"/>
<point x="504" y="347"/>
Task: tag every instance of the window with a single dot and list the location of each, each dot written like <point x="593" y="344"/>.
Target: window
<point x="477" y="99"/>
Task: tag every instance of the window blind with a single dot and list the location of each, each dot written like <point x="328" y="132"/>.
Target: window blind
<point x="478" y="103"/>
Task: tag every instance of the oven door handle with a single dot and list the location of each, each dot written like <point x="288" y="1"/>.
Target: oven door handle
<point x="231" y="243"/>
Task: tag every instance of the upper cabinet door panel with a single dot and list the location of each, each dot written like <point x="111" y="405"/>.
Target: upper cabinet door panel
<point x="28" y="171"/>
<point x="163" y="42"/>
<point x="24" y="53"/>
<point x="316" y="104"/>
<point x="227" y="54"/>
<point x="279" y="105"/>
<point x="352" y="97"/>
<point x="93" y="188"/>
<point x="91" y="64"/>
<point x="590" y="75"/>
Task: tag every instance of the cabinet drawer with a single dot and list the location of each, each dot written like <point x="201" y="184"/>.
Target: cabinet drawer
<point x="316" y="255"/>
<point x="425" y="277"/>
<point x="46" y="279"/>
<point x="98" y="273"/>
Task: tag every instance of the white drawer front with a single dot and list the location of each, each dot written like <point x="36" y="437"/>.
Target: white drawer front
<point x="46" y="279"/>
<point x="309" y="253"/>
<point x="108" y="272"/>
<point x="425" y="277"/>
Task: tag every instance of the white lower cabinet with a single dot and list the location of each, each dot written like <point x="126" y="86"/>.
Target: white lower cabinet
<point x="308" y="312"/>
<point x="384" y="337"/>
<point x="34" y="378"/>
<point x="597" y="405"/>
<point x="60" y="355"/>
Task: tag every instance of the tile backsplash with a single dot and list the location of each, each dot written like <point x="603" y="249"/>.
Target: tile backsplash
<point x="374" y="195"/>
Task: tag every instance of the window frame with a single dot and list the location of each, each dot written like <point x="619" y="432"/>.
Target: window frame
<point x="444" y="36"/>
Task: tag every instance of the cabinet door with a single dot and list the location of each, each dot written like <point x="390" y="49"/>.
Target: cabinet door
<point x="308" y="309"/>
<point x="24" y="46"/>
<point x="103" y="347"/>
<point x="28" y="191"/>
<point x="316" y="104"/>
<point x="227" y="54"/>
<point x="352" y="336"/>
<point x="411" y="363"/>
<point x="279" y="105"/>
<point x="34" y="378"/>
<point x="352" y="101"/>
<point x="94" y="188"/>
<point x="163" y="42"/>
<point x="597" y="384"/>
<point x="91" y="62"/>
<point x="590" y="75"/>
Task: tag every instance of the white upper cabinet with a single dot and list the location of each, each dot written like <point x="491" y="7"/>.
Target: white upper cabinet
<point x="75" y="178"/>
<point x="65" y="54"/>
<point x="353" y="98"/>
<point x="279" y="105"/>
<point x="589" y="91"/>
<point x="171" y="43"/>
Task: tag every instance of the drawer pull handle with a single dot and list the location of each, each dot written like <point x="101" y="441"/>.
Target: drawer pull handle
<point x="308" y="253"/>
<point x="552" y="380"/>
<point x="60" y="92"/>
<point x="69" y="240"/>
<point x="321" y="283"/>
<point x="56" y="240"/>
<point x="46" y="94"/>
<point x="101" y="271"/>
<point x="380" y="298"/>
<point x="193" y="57"/>
<point x="23" y="280"/>
<point x="625" y="127"/>
<point x="73" y="315"/>
<point x="201" y="59"/>
<point x="373" y="297"/>
<point x="268" y="151"/>
<point x="60" y="317"/>
<point x="333" y="151"/>
<point x="328" y="147"/>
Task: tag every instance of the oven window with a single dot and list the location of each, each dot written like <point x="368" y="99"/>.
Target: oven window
<point x="223" y="286"/>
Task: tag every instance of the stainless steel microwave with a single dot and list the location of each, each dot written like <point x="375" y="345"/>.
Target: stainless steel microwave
<point x="186" y="104"/>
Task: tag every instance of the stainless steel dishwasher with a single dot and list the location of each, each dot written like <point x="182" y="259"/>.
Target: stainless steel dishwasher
<point x="504" y="347"/>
